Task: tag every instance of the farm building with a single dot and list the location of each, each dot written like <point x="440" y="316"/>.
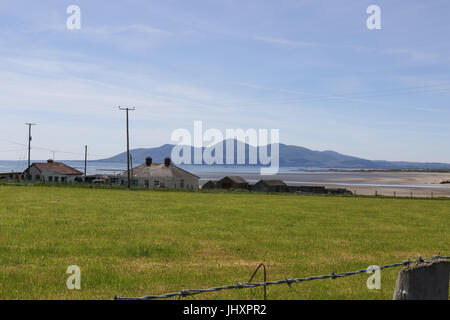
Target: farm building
<point x="51" y="171"/>
<point x="232" y="182"/>
<point x="270" y="186"/>
<point x="338" y="191"/>
<point x="11" y="176"/>
<point x="158" y="175"/>
<point x="211" y="184"/>
<point x="308" y="189"/>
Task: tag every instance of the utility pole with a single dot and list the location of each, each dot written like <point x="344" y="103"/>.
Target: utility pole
<point x="29" y="141"/>
<point x="131" y="160"/>
<point x="85" y="160"/>
<point x="128" y="145"/>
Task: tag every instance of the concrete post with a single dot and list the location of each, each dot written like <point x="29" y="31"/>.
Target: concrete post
<point x="424" y="281"/>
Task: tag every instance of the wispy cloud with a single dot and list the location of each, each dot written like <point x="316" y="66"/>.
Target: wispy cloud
<point x="134" y="28"/>
<point x="413" y="55"/>
<point x="282" y="41"/>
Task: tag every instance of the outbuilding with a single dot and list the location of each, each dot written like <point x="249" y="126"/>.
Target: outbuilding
<point x="270" y="186"/>
<point x="308" y="189"/>
<point x="232" y="182"/>
<point x="210" y="184"/>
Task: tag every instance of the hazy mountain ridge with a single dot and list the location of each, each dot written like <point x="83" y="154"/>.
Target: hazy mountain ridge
<point x="290" y="156"/>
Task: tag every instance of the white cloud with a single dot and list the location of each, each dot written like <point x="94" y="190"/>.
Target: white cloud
<point x="413" y="55"/>
<point x="281" y="41"/>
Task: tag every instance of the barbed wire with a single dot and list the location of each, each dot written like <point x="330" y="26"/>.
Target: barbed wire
<point x="289" y="282"/>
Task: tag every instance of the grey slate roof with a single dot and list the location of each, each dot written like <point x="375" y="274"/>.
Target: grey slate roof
<point x="160" y="170"/>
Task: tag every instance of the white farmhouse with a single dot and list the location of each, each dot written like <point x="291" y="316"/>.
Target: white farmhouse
<point x="158" y="175"/>
<point x="50" y="171"/>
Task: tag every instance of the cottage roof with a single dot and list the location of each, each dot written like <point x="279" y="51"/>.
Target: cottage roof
<point x="56" y="167"/>
<point x="160" y="170"/>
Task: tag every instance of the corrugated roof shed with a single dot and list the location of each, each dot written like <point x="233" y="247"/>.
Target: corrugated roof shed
<point x="235" y="179"/>
<point x="273" y="182"/>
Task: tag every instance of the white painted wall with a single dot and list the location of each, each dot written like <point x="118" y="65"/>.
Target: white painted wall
<point x="154" y="182"/>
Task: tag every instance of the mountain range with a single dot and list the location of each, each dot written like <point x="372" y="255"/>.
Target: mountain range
<point x="290" y="156"/>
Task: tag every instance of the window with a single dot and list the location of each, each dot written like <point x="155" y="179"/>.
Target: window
<point x="156" y="184"/>
<point x="56" y="179"/>
<point x="182" y="184"/>
<point x="63" y="179"/>
<point x="50" y="179"/>
<point x="38" y="177"/>
<point x="146" y="183"/>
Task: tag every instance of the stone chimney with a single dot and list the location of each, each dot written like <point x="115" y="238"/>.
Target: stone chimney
<point x="167" y="161"/>
<point x="148" y="161"/>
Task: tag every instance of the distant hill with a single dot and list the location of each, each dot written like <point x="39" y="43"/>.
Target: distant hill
<point x="290" y="156"/>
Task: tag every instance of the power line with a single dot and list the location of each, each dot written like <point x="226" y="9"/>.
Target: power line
<point x="348" y="96"/>
<point x="53" y="150"/>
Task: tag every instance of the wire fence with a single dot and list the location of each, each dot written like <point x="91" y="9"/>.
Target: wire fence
<point x="289" y="282"/>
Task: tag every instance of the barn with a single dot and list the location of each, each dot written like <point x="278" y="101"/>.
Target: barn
<point x="210" y="184"/>
<point x="232" y="182"/>
<point x="308" y="189"/>
<point x="270" y="186"/>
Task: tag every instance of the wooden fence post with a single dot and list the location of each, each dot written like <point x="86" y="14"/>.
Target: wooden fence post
<point x="424" y="281"/>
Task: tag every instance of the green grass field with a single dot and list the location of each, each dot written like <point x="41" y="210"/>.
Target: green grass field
<point x="153" y="242"/>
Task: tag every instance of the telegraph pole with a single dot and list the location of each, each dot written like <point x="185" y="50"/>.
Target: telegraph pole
<point x="128" y="145"/>
<point x="29" y="141"/>
<point x="85" y="160"/>
<point x="131" y="160"/>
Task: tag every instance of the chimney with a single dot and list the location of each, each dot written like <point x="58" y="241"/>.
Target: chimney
<point x="148" y="161"/>
<point x="50" y="161"/>
<point x="167" y="161"/>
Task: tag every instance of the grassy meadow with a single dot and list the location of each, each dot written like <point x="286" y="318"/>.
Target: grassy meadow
<point x="153" y="242"/>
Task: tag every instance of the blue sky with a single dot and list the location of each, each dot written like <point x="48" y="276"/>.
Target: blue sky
<point x="309" y="68"/>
